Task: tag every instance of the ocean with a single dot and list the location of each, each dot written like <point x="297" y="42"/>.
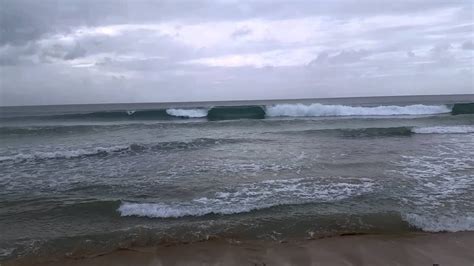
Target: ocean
<point x="84" y="179"/>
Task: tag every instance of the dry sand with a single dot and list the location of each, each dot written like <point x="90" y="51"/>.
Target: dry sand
<point x="450" y="249"/>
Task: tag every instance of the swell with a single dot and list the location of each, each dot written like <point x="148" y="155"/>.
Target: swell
<point x="336" y="132"/>
<point x="260" y="112"/>
<point x="160" y="114"/>
<point x="121" y="115"/>
<point x="386" y="131"/>
<point x="75" y="129"/>
<point x="46" y="130"/>
<point x="120" y="149"/>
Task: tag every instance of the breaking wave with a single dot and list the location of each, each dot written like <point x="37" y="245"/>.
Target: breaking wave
<point x="261" y="112"/>
<point x="298" y="110"/>
<point x="254" y="196"/>
<point x="187" y="113"/>
<point x="440" y="223"/>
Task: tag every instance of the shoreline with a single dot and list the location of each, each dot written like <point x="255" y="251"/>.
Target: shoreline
<point x="404" y="249"/>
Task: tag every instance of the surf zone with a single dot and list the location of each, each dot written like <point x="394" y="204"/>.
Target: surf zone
<point x="216" y="113"/>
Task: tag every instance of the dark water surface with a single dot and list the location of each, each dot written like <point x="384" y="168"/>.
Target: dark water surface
<point x="82" y="178"/>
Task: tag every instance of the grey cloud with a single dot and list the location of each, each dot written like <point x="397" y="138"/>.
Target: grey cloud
<point x="442" y="53"/>
<point x="25" y="20"/>
<point x="241" y="32"/>
<point x="56" y="52"/>
<point x="75" y="52"/>
<point x="468" y="45"/>
<point x="341" y="57"/>
<point x="146" y="65"/>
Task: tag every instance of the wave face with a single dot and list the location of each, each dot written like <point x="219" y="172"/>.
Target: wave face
<point x="299" y="110"/>
<point x="463" y="108"/>
<point x="159" y="114"/>
<point x="187" y="113"/>
<point x="236" y="112"/>
<point x="254" y="196"/>
<point x="444" y="130"/>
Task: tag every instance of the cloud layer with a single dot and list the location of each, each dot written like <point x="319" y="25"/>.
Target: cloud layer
<point x="57" y="52"/>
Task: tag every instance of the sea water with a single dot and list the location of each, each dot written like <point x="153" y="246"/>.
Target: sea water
<point x="92" y="178"/>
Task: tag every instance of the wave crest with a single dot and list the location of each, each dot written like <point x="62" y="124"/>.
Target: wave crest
<point x="253" y="196"/>
<point x="441" y="223"/>
<point x="317" y="110"/>
<point x="188" y="113"/>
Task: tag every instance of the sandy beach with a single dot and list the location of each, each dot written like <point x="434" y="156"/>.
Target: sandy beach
<point x="410" y="249"/>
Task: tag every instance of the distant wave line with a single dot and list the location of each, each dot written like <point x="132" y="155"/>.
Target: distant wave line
<point x="261" y="112"/>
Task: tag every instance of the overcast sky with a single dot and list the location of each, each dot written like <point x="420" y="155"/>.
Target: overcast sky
<point x="91" y="51"/>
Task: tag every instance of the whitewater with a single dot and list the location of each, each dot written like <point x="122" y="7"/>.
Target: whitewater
<point x="296" y="110"/>
<point x="320" y="110"/>
<point x="213" y="113"/>
<point x="91" y="176"/>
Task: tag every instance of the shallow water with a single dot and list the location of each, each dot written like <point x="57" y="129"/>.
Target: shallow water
<point x="76" y="181"/>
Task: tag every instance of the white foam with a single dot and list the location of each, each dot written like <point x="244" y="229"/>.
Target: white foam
<point x="248" y="197"/>
<point x="316" y="109"/>
<point x="444" y="130"/>
<point x="440" y="192"/>
<point x="191" y="113"/>
<point x="441" y="223"/>
<point x="443" y="174"/>
<point x="5" y="252"/>
<point x="66" y="154"/>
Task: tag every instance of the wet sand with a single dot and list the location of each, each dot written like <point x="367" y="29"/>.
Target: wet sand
<point x="412" y="249"/>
